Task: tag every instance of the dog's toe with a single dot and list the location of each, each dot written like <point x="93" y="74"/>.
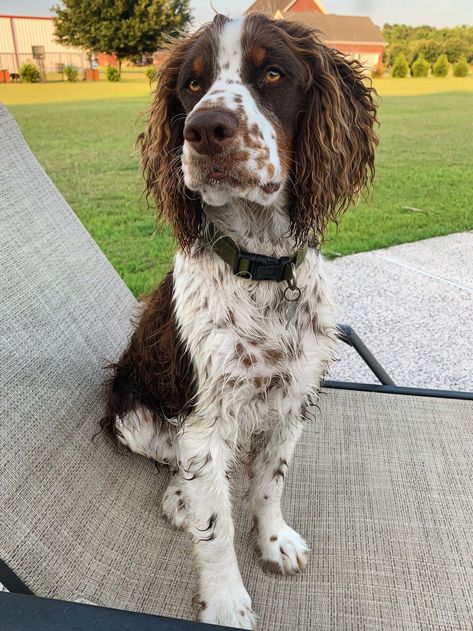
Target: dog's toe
<point x="282" y="552"/>
<point x="174" y="507"/>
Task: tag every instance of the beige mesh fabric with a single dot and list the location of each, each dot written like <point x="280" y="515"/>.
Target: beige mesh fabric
<point x="381" y="485"/>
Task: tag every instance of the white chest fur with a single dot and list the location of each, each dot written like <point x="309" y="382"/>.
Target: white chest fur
<point x="250" y="365"/>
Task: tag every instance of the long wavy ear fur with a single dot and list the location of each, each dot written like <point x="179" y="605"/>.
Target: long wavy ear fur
<point x="161" y="149"/>
<point x="336" y="137"/>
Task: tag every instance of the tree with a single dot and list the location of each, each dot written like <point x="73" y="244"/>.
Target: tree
<point x="420" y="67"/>
<point x="456" y="48"/>
<point x="460" y="69"/>
<point x="440" y="67"/>
<point x="400" y="67"/>
<point x="120" y="27"/>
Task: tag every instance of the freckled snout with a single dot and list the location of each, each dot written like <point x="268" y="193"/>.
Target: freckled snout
<point x="210" y="132"/>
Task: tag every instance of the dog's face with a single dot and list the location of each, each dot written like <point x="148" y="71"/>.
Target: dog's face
<point x="242" y="90"/>
<point x="261" y="110"/>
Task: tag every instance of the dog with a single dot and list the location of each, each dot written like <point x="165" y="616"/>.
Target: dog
<point x="257" y="137"/>
<point x="14" y="77"/>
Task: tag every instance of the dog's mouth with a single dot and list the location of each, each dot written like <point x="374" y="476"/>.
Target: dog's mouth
<point x="218" y="177"/>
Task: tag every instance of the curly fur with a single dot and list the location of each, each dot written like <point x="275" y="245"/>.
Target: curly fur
<point x="216" y="365"/>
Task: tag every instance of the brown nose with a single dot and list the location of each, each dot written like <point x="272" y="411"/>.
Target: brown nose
<point x="210" y="132"/>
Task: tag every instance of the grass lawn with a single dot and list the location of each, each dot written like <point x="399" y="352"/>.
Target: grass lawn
<point x="424" y="161"/>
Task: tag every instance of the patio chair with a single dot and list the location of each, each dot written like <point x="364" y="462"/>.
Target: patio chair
<point x="381" y="484"/>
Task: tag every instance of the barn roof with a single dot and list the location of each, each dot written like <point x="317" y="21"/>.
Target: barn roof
<point x="349" y="29"/>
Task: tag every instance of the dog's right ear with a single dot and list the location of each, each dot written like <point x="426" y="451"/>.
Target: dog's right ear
<point x="161" y="150"/>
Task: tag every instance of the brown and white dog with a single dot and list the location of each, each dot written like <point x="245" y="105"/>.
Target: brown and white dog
<point x="261" y="130"/>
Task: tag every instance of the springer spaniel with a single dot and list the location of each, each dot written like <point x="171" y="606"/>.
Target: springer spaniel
<point x="258" y="135"/>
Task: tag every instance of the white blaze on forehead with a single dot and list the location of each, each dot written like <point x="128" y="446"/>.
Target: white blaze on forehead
<point x="229" y="50"/>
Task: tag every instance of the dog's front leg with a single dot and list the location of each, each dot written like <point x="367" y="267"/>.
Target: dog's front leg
<point x="282" y="549"/>
<point x="204" y="461"/>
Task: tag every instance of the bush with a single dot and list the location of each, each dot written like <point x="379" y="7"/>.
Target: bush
<point x="71" y="73"/>
<point x="440" y="67"/>
<point x="151" y="74"/>
<point x="460" y="69"/>
<point x="112" y="74"/>
<point x="29" y="73"/>
<point x="420" y="67"/>
<point x="400" y="67"/>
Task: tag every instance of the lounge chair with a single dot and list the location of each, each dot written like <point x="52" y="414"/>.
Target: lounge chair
<point x="381" y="486"/>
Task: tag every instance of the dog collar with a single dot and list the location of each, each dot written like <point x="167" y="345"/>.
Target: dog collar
<point x="253" y="266"/>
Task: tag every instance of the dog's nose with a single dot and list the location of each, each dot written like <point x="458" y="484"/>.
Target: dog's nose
<point x="211" y="131"/>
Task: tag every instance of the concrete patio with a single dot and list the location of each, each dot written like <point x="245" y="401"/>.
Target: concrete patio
<point x="413" y="307"/>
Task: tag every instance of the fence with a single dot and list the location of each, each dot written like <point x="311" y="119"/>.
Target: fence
<point x="52" y="62"/>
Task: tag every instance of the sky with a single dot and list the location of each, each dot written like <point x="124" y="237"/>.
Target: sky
<point x="414" y="12"/>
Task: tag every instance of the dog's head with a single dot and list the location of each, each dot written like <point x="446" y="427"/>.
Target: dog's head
<point x="262" y="110"/>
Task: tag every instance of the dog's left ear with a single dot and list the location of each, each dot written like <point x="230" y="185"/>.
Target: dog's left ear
<point x="161" y="150"/>
<point x="336" y="140"/>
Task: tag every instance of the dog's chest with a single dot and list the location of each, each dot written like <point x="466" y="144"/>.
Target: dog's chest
<point x="247" y="355"/>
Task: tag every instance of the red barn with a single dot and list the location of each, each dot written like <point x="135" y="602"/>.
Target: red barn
<point x="355" y="36"/>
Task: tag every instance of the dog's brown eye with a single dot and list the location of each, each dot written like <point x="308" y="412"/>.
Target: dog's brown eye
<point x="194" y="85"/>
<point x="272" y="75"/>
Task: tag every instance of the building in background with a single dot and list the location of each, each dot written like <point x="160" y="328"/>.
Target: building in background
<point x="355" y="36"/>
<point x="18" y="35"/>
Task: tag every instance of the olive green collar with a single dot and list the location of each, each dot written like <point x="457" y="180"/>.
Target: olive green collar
<point x="253" y="266"/>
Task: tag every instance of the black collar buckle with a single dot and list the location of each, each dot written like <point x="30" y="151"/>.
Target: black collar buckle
<point x="259" y="267"/>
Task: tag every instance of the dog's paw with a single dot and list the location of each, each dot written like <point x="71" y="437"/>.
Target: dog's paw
<point x="283" y="550"/>
<point x="174" y="506"/>
<point x="229" y="607"/>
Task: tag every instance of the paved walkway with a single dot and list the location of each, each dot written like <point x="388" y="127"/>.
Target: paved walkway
<point x="412" y="305"/>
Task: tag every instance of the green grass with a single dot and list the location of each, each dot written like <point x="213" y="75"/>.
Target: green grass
<point x="424" y="161"/>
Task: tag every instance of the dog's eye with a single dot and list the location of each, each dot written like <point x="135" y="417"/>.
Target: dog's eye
<point x="194" y="85"/>
<point x="272" y="75"/>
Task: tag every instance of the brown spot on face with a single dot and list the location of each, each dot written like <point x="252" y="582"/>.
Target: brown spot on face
<point x="198" y="66"/>
<point x="238" y="99"/>
<point x="258" y="55"/>
<point x="242" y="613"/>
<point x="273" y="538"/>
<point x="178" y="492"/>
<point x="266" y="497"/>
<point x="226" y="66"/>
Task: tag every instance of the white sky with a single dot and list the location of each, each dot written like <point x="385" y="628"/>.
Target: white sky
<point x="413" y="12"/>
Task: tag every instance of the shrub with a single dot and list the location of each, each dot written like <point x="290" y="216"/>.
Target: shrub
<point x="71" y="73"/>
<point x="151" y="74"/>
<point x="400" y="67"/>
<point x="460" y="69"/>
<point x="29" y="73"/>
<point x="112" y="74"/>
<point x="440" y="67"/>
<point x="420" y="67"/>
